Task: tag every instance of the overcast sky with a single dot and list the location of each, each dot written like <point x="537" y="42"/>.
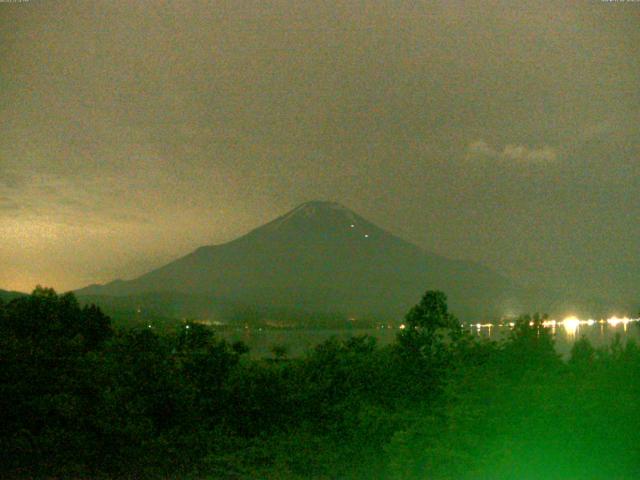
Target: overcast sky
<point x="502" y="132"/>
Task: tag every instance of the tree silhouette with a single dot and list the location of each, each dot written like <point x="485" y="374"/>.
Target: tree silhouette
<point x="427" y="323"/>
<point x="279" y="352"/>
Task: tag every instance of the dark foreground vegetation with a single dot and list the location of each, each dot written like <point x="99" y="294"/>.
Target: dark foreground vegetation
<point x="80" y="400"/>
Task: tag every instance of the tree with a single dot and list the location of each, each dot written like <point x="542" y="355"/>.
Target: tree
<point x="427" y="323"/>
<point x="530" y="346"/>
<point x="46" y="388"/>
<point x="240" y="347"/>
<point x="195" y="337"/>
<point x="279" y="352"/>
<point x="583" y="355"/>
<point x="431" y="313"/>
<point x="95" y="326"/>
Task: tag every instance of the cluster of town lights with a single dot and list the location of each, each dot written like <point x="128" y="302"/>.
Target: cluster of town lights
<point x="570" y="324"/>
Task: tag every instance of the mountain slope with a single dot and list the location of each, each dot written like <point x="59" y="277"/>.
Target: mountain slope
<point x="323" y="257"/>
<point x="7" y="296"/>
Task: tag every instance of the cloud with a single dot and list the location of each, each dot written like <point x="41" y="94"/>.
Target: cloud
<point x="522" y="153"/>
<point x="66" y="200"/>
<point x="511" y="152"/>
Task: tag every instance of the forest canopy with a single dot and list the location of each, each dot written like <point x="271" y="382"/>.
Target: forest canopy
<point x="81" y="399"/>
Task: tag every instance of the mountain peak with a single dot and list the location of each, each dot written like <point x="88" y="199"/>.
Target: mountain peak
<point x="321" y="204"/>
<point x="314" y="212"/>
<point x="315" y="206"/>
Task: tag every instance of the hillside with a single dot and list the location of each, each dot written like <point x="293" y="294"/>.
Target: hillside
<point x="7" y="296"/>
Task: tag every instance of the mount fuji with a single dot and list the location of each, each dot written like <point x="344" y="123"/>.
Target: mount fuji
<point x="322" y="257"/>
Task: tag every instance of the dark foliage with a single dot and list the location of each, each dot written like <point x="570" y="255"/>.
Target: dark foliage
<point x="80" y="400"/>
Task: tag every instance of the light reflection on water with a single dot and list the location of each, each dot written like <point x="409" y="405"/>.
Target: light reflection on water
<point x="565" y="332"/>
<point x="599" y="332"/>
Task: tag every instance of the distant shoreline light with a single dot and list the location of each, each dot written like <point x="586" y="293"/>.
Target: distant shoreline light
<point x="570" y="323"/>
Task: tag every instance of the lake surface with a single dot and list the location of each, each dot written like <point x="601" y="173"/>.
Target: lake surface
<point x="565" y="332"/>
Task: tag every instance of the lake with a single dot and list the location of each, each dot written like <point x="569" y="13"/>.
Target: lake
<point x="565" y="332"/>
